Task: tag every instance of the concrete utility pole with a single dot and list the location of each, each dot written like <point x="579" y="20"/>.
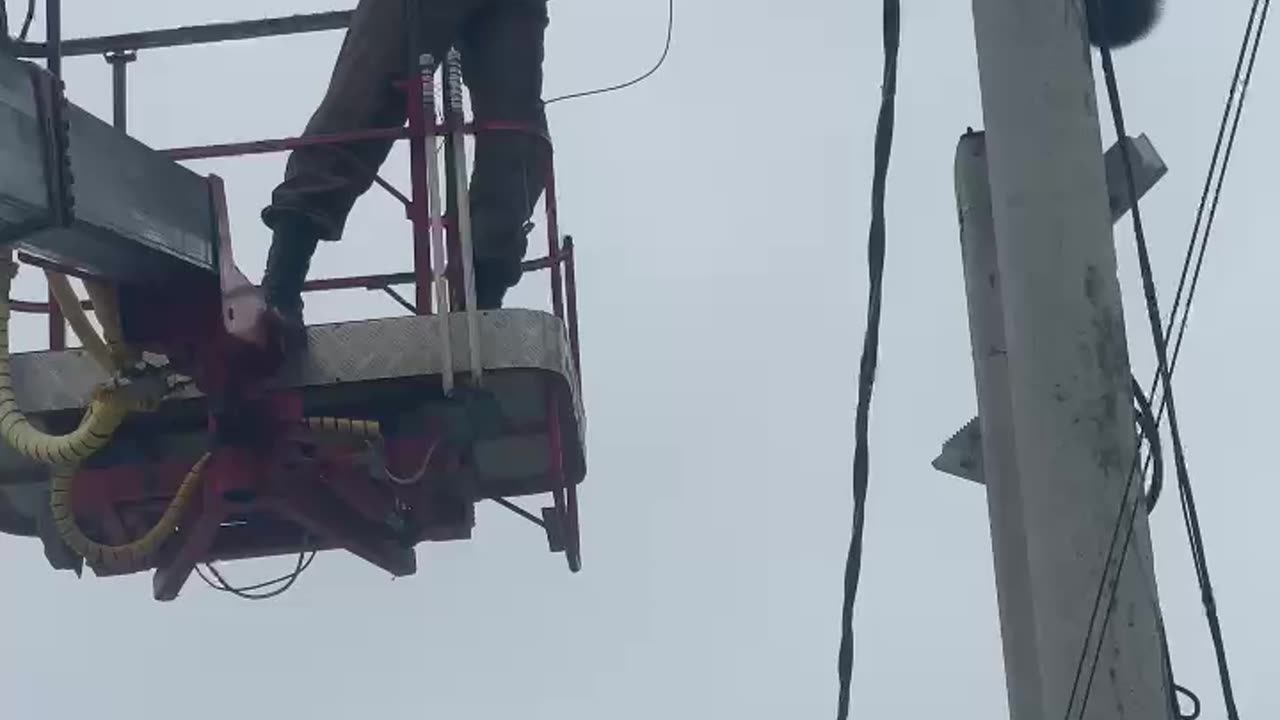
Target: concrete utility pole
<point x="1052" y="365"/>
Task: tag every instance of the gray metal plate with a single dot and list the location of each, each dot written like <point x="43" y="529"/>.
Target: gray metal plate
<point x="138" y="215"/>
<point x="524" y="352"/>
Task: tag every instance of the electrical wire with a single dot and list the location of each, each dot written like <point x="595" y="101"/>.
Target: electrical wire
<point x="247" y="592"/>
<point x="1175" y="707"/>
<point x="1195" y="703"/>
<point x="1212" y="192"/>
<point x="1239" y="88"/>
<point x="662" y="59"/>
<point x="1149" y="430"/>
<point x="27" y="21"/>
<point x="1183" y="476"/>
<point x="870" y="346"/>
<point x="1210" y="196"/>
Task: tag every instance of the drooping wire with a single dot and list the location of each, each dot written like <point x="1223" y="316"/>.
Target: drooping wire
<point x="1195" y="703"/>
<point x="870" y="347"/>
<point x="286" y="582"/>
<point x="662" y="59"/>
<point x="1149" y="430"/>
<point x="1184" y="482"/>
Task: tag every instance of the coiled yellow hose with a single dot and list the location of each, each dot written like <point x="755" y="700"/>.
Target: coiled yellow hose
<point x="65" y="296"/>
<point x="131" y="556"/>
<point x="107" y="309"/>
<point x="106" y="412"/>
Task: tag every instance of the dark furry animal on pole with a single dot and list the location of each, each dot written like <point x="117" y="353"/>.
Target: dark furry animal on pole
<point x="1117" y="23"/>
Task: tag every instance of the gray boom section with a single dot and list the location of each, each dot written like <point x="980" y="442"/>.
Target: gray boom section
<point x="137" y="216"/>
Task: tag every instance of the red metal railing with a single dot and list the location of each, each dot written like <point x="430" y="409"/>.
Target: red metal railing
<point x="559" y="259"/>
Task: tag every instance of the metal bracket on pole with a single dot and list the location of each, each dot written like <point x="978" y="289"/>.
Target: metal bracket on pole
<point x="961" y="454"/>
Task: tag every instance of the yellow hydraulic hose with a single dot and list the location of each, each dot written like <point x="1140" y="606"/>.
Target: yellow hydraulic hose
<point x="65" y="295"/>
<point x="107" y="309"/>
<point x="105" y="414"/>
<point x="65" y="453"/>
<point x="131" y="556"/>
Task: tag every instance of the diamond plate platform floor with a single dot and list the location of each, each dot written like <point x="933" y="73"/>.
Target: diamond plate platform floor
<point x="391" y="362"/>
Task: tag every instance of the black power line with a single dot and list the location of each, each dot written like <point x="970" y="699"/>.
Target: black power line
<point x="870" y="346"/>
<point x="662" y="59"/>
<point x="1212" y="192"/>
<point x="26" y="21"/>
<point x="1237" y="83"/>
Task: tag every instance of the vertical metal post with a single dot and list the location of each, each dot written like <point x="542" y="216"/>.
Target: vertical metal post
<point x="564" y="496"/>
<point x="1070" y="425"/>
<point x="553" y="242"/>
<point x="423" y="67"/>
<point x="571" y="301"/>
<point x="53" y="60"/>
<point x="57" y="325"/>
<point x="419" y="211"/>
<point x="53" y="37"/>
<point x="452" y="240"/>
<point x="119" y="62"/>
<point x="464" y="256"/>
<point x="5" y="39"/>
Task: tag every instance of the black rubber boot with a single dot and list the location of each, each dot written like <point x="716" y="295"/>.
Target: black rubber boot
<point x="491" y="287"/>
<point x="496" y="275"/>
<point x="288" y="262"/>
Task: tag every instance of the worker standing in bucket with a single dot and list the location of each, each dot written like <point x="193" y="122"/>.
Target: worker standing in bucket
<point x="501" y="43"/>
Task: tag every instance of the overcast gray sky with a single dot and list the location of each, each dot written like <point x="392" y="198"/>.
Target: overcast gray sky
<point x="722" y="239"/>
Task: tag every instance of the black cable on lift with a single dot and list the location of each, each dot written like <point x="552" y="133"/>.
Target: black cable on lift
<point x="286" y="582"/>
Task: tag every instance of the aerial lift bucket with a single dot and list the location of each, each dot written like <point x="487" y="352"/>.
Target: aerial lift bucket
<point x="364" y="443"/>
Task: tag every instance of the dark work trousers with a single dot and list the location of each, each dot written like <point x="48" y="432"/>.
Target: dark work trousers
<point x="501" y="43"/>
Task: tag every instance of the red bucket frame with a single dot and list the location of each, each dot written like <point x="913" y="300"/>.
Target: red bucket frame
<point x="121" y="50"/>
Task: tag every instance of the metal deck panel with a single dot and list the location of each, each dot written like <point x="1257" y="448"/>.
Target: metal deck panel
<point x="522" y="350"/>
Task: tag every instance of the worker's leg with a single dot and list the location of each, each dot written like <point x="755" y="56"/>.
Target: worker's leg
<point x="322" y="182"/>
<point x="502" y="52"/>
